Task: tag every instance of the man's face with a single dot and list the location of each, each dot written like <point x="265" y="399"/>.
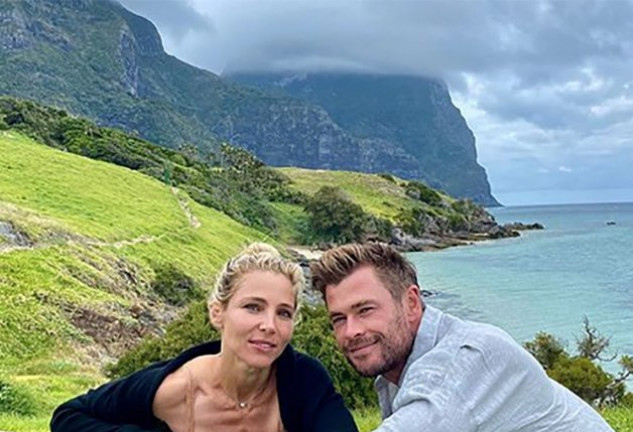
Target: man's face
<point x="371" y="328"/>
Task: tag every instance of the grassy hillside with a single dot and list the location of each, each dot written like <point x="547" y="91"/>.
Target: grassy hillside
<point x="85" y="244"/>
<point x="376" y="194"/>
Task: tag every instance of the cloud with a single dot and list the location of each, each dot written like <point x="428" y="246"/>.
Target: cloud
<point x="543" y="84"/>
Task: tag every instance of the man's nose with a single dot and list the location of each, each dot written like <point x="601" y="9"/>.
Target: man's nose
<point x="353" y="328"/>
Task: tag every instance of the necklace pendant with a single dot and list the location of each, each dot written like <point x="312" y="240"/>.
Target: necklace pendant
<point x="243" y="404"/>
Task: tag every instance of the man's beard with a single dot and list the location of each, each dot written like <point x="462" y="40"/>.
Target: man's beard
<point x="394" y="348"/>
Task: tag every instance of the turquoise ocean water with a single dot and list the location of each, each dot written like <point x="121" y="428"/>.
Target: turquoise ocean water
<point x="544" y="280"/>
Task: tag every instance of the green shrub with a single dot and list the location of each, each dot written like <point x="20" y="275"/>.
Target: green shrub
<point x="546" y="349"/>
<point x="627" y="400"/>
<point x="580" y="373"/>
<point x="15" y="401"/>
<point x="411" y="220"/>
<point x="422" y="192"/>
<point x="333" y="217"/>
<point x="174" y="286"/>
<point x="314" y="336"/>
<point x="581" y="376"/>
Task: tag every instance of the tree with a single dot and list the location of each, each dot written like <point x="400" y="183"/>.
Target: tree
<point x="334" y="217"/>
<point x="580" y="373"/>
<point x="546" y="349"/>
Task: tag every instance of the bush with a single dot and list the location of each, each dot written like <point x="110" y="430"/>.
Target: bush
<point x="581" y="376"/>
<point x="546" y="349"/>
<point x="579" y="373"/>
<point x="15" y="401"/>
<point x="174" y="286"/>
<point x="314" y="336"/>
<point x="412" y="220"/>
<point x="332" y="217"/>
<point x="422" y="192"/>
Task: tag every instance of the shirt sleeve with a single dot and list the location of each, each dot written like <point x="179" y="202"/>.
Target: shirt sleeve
<point x="433" y="396"/>
<point x="124" y="405"/>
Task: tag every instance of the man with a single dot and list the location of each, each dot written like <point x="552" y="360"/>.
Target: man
<point x="435" y="372"/>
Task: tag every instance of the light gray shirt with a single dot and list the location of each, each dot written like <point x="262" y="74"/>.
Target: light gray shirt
<point x="463" y="376"/>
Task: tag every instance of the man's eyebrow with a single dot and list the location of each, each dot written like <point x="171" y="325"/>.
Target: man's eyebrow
<point x="355" y="306"/>
<point x="360" y="304"/>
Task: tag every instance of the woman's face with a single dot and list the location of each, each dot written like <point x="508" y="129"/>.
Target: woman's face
<point x="258" y="321"/>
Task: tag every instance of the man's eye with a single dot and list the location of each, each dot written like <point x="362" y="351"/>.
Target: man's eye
<point x="337" y="321"/>
<point x="365" y="310"/>
<point x="286" y="314"/>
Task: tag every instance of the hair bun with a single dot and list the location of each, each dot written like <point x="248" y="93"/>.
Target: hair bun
<point x="260" y="248"/>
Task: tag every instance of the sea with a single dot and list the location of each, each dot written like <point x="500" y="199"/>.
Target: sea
<point x="580" y="265"/>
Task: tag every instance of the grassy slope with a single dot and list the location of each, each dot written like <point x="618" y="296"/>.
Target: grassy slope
<point x="375" y="194"/>
<point x="80" y="213"/>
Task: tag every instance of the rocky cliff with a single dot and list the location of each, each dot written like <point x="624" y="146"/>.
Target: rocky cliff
<point x="95" y="58"/>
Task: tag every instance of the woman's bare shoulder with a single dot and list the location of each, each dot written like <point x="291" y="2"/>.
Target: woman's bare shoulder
<point x="184" y="380"/>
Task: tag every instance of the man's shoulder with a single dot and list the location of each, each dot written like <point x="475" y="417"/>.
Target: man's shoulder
<point x="460" y="343"/>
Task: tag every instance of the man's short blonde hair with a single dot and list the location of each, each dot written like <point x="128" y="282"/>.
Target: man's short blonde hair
<point x="391" y="267"/>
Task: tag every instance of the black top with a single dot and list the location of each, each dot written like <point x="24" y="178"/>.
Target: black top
<point x="307" y="399"/>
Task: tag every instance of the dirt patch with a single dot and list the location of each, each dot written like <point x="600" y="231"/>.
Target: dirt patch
<point x="116" y="332"/>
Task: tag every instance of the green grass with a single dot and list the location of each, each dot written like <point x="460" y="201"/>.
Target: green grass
<point x="92" y="224"/>
<point x="620" y="419"/>
<point x="373" y="193"/>
<point x="293" y="222"/>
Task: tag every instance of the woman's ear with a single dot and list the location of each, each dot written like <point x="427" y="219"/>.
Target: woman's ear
<point x="215" y="315"/>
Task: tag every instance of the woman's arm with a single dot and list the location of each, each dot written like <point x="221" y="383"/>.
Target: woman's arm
<point x="124" y="405"/>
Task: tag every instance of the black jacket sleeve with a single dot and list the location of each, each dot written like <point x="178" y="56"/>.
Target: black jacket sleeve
<point x="324" y="408"/>
<point x="124" y="405"/>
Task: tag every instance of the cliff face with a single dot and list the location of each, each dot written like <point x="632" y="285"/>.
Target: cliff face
<point x="411" y="116"/>
<point x="95" y="58"/>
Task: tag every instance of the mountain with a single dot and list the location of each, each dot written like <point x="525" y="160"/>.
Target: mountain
<point x="97" y="59"/>
<point x="414" y="115"/>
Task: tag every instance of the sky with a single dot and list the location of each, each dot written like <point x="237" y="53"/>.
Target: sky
<point x="545" y="86"/>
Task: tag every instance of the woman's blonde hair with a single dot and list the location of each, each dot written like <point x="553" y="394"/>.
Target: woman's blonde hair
<point x="256" y="257"/>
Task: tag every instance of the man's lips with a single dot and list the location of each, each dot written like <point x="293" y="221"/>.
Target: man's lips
<point x="359" y="348"/>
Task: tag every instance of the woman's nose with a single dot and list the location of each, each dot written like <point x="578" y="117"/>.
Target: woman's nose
<point x="268" y="323"/>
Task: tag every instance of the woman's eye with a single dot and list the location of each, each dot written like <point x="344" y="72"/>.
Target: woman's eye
<point x="252" y="307"/>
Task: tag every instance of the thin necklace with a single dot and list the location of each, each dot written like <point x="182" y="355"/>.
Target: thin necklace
<point x="246" y="403"/>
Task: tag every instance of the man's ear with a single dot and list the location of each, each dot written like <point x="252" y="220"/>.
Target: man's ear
<point x="215" y="315"/>
<point x="412" y="303"/>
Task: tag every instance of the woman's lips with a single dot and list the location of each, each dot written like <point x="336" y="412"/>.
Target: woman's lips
<point x="263" y="345"/>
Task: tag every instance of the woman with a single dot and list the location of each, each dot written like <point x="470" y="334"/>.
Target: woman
<point x="251" y="380"/>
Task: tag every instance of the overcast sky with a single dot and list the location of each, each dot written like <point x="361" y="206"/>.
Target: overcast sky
<point x="545" y="86"/>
